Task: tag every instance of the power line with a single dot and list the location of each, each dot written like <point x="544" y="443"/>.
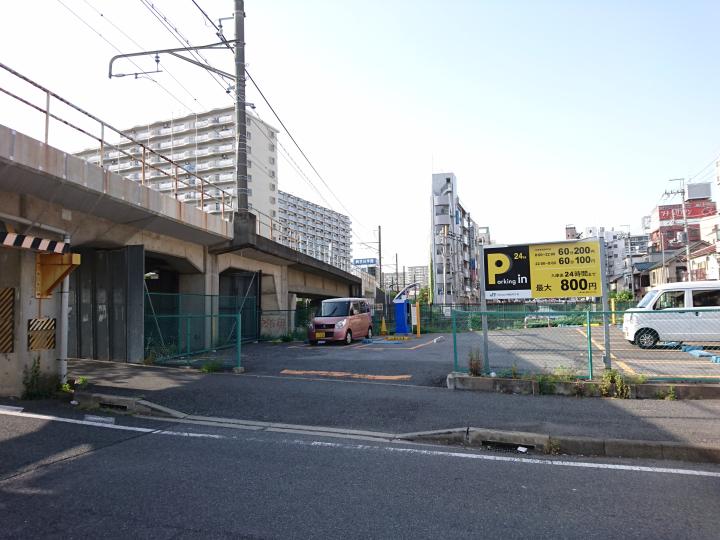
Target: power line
<point x="175" y="33"/>
<point x="217" y="28"/>
<point x="103" y="16"/>
<point x="285" y="128"/>
<point x="286" y="155"/>
<point x="713" y="162"/>
<point x="168" y="92"/>
<point x="304" y="155"/>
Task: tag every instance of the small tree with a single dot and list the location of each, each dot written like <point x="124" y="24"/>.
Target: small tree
<point x="423" y="295"/>
<point x="622" y="296"/>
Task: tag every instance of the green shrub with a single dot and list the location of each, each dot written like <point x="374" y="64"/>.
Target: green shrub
<point x="613" y="384"/>
<point x="475" y="362"/>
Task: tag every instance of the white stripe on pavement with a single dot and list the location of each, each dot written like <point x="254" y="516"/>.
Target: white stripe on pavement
<point x="108" y="426"/>
<point x="10" y="408"/>
<point x="553" y="462"/>
<point x="376" y="448"/>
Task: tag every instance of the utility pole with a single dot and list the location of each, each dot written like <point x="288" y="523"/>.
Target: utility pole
<point x="380" y="256"/>
<point x="681" y="191"/>
<point x="240" y="118"/>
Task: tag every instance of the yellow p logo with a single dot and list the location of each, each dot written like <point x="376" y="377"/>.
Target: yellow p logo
<point x="498" y="263"/>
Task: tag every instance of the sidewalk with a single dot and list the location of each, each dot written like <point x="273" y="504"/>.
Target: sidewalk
<point x="402" y="408"/>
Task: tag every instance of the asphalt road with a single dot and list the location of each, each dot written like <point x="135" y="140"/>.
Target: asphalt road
<point x="61" y="480"/>
<point x="401" y="408"/>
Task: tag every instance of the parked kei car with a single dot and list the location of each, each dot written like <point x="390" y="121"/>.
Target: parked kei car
<point x="679" y="312"/>
<point x="341" y="319"/>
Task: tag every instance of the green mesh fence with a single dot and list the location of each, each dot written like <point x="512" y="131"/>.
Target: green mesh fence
<point x="522" y="343"/>
<point x="197" y="340"/>
<point x="191" y="328"/>
<point x="668" y="345"/>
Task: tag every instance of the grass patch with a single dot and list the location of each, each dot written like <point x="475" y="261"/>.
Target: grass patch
<point x="211" y="367"/>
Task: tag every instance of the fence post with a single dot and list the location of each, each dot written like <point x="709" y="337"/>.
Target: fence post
<point x="187" y="335"/>
<point x="589" y="343"/>
<point x="238" y="342"/>
<point x="47" y="117"/>
<point x="417" y="316"/>
<point x="454" y="331"/>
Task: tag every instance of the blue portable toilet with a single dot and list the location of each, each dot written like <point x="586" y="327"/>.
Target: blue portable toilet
<point x="402" y="310"/>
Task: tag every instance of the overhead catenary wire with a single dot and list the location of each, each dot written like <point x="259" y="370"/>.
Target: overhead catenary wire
<point x="302" y="152"/>
<point x="166" y="70"/>
<point x="285" y="128"/>
<point x="106" y="40"/>
<point x="180" y="38"/>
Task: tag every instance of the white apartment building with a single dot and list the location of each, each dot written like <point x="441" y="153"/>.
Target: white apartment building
<point x="204" y="144"/>
<point x="456" y="241"/>
<point x="314" y="230"/>
<point x="419" y="274"/>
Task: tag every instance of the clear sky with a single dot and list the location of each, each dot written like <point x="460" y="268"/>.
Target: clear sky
<point x="549" y="113"/>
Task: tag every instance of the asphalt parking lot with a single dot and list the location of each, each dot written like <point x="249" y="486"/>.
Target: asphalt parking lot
<point x="424" y="361"/>
<point x="427" y="360"/>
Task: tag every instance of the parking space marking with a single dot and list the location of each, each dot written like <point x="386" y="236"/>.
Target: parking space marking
<point x="346" y="374"/>
<point x="661" y="365"/>
<point x="625" y="367"/>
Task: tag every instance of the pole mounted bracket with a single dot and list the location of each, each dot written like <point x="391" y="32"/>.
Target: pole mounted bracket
<point x="51" y="269"/>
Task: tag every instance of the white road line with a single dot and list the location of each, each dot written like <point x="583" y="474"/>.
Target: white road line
<point x="10" y="408"/>
<point x="100" y="419"/>
<point x="377" y="448"/>
<point x="551" y="462"/>
<point x="105" y="425"/>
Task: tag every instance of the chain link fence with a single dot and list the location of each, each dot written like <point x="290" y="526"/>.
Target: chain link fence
<point x="190" y="329"/>
<point x="678" y="344"/>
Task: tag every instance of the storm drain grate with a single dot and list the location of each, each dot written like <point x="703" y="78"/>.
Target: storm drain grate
<point x="506" y="447"/>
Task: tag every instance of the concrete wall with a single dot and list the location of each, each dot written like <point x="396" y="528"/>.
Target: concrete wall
<point x="17" y="270"/>
<point x="311" y="284"/>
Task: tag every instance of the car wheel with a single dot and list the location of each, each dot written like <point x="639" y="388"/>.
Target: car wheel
<point x="369" y="334"/>
<point x="348" y="338"/>
<point x="313" y="343"/>
<point x="646" y="338"/>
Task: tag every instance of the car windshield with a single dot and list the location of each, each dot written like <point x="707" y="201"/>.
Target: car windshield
<point x="647" y="299"/>
<point x="335" y="309"/>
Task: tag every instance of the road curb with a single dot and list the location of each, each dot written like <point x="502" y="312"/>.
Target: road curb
<point x="468" y="436"/>
<point x="579" y="388"/>
<point x="572" y="445"/>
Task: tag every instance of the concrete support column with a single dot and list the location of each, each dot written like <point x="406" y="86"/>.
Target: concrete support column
<point x="18" y="274"/>
<point x="292" y="303"/>
<point x="207" y="284"/>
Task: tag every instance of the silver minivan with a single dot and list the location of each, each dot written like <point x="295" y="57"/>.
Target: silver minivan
<point x="675" y="312"/>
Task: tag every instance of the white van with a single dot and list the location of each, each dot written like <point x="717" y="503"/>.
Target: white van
<point x="677" y="312"/>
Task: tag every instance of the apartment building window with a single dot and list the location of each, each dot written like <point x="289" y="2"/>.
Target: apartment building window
<point x="272" y="200"/>
<point x="249" y="177"/>
<point x="249" y="149"/>
<point x="272" y="187"/>
<point x="249" y="164"/>
<point x="271" y="147"/>
<point x="271" y="160"/>
<point x="248" y="135"/>
<point x="272" y="173"/>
